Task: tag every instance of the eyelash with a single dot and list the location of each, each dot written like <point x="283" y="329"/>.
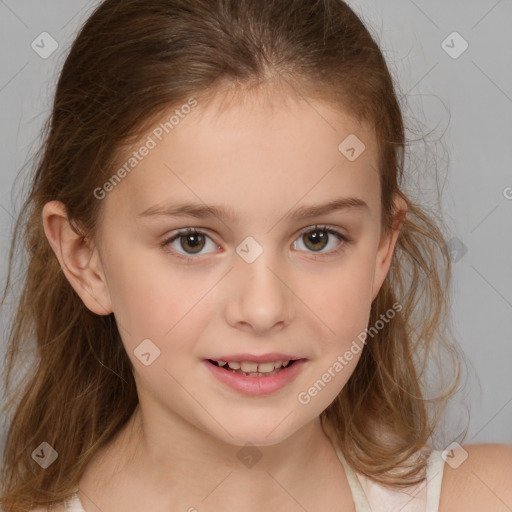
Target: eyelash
<point x="193" y="231"/>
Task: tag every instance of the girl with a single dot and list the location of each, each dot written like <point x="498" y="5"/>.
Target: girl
<point x="232" y="299"/>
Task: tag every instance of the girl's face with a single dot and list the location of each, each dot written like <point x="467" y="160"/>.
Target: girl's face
<point x="272" y="274"/>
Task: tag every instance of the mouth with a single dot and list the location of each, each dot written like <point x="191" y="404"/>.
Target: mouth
<point x="253" y="369"/>
<point x="256" y="375"/>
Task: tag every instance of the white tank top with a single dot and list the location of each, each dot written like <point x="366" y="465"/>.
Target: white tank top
<point x="368" y="495"/>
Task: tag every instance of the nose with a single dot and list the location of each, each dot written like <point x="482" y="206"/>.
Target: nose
<point x="259" y="298"/>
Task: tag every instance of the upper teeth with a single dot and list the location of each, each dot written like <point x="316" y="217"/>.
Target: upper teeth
<point x="248" y="366"/>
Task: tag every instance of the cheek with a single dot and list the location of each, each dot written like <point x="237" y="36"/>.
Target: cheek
<point x="342" y="306"/>
<point x="154" y="301"/>
<point x="143" y="300"/>
<point x="339" y="356"/>
<point x="342" y="298"/>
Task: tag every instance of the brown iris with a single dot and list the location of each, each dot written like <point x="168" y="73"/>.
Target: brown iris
<point x="317" y="236"/>
<point x="195" y="241"/>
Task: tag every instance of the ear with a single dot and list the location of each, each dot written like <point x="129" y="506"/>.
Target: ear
<point x="78" y="258"/>
<point x="387" y="245"/>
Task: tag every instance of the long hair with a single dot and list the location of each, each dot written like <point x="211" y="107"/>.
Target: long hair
<point x="132" y="60"/>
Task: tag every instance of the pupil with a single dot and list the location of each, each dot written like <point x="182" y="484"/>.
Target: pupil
<point x="196" y="242"/>
<point x="316" y="236"/>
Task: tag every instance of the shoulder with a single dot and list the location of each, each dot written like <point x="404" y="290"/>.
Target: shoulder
<point x="481" y="479"/>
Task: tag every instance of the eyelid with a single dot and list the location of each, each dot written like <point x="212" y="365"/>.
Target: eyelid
<point x="323" y="227"/>
<point x="332" y="230"/>
<point x="182" y="232"/>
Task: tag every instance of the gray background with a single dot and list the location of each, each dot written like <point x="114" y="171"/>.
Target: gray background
<point x="462" y="107"/>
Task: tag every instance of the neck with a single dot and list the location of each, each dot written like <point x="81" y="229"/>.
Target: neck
<point x="186" y="468"/>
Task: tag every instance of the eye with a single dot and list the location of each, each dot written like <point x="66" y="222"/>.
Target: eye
<point x="191" y="240"/>
<point x="317" y="238"/>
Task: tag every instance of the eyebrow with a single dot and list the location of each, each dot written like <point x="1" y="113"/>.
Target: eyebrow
<point x="202" y="211"/>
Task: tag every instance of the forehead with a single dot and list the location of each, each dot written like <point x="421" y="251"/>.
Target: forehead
<point x="258" y="153"/>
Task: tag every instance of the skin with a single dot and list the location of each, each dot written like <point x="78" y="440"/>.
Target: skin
<point x="180" y="448"/>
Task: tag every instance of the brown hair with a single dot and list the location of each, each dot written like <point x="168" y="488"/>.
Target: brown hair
<point x="132" y="60"/>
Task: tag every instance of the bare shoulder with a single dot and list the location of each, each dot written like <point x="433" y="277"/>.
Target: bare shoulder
<point x="478" y="478"/>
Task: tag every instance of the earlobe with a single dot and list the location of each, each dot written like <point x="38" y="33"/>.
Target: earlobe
<point x="78" y="258"/>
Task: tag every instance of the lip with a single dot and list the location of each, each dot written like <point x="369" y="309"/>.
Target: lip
<point x="264" y="358"/>
<point x="257" y="386"/>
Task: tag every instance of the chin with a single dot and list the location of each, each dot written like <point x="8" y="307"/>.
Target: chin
<point x="268" y="434"/>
